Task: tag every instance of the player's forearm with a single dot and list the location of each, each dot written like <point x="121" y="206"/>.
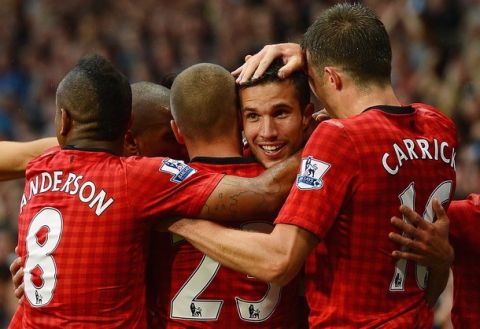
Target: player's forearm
<point x="247" y="252"/>
<point x="437" y="281"/>
<point x="237" y="198"/>
<point x="16" y="155"/>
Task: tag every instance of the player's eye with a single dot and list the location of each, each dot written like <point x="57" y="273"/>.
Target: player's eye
<point x="281" y="113"/>
<point x="251" y="116"/>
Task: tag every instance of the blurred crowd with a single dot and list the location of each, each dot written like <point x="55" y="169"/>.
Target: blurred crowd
<point x="436" y="60"/>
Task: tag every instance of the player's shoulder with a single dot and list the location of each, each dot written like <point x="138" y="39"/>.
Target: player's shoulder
<point x="140" y="168"/>
<point x="471" y="203"/>
<point x="149" y="164"/>
<point x="328" y="133"/>
<point x="44" y="157"/>
<point x="464" y="218"/>
<point x="474" y="199"/>
<point x="48" y="153"/>
<point x="429" y="112"/>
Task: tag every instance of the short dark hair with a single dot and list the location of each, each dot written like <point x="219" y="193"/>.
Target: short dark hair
<point x="298" y="78"/>
<point x="150" y="106"/>
<point x="97" y="96"/>
<point x="203" y="101"/>
<point x="354" y="38"/>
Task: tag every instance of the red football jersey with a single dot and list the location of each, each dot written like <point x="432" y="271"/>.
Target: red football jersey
<point x="465" y="239"/>
<point x="83" y="231"/>
<point x="187" y="289"/>
<point x="354" y="175"/>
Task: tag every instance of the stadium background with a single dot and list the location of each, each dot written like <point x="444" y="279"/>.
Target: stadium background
<point x="436" y="60"/>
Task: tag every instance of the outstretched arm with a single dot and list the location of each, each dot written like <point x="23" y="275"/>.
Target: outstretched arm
<point x="427" y="245"/>
<point x="254" y="67"/>
<point x="16" y="155"/>
<point x="237" y="198"/>
<point x="275" y="257"/>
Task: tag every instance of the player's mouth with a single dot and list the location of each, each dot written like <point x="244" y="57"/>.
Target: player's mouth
<point x="272" y="150"/>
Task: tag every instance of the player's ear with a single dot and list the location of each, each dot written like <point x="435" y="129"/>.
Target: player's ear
<point x="333" y="77"/>
<point x="307" y="115"/>
<point x="65" y="122"/>
<point x="177" y="132"/>
<point x="130" y="144"/>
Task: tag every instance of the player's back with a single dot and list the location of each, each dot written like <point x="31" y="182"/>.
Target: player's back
<point x="380" y="159"/>
<point x="464" y="220"/>
<point x="83" y="227"/>
<point x="188" y="289"/>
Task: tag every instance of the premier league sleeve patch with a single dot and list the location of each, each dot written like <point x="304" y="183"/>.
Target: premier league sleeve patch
<point x="178" y="169"/>
<point x="311" y="173"/>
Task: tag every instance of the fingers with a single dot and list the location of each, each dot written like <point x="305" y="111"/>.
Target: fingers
<point x="439" y="210"/>
<point x="15" y="266"/>
<point x="413" y="217"/>
<point x="409" y="229"/>
<point x="256" y="65"/>
<point x="19" y="284"/>
<point x="321" y="115"/>
<point x="292" y="65"/>
<point x="269" y="56"/>
<point x="18" y="278"/>
<point x="407" y="242"/>
<point x="401" y="240"/>
<point x="249" y="68"/>
<point x="19" y="292"/>
<point x="407" y="255"/>
<point x="237" y="72"/>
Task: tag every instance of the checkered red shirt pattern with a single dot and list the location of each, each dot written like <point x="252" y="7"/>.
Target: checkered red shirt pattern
<point x="465" y="238"/>
<point x="99" y="260"/>
<point x="350" y="208"/>
<point x="176" y="267"/>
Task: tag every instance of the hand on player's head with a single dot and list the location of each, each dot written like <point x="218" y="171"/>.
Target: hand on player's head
<point x="255" y="65"/>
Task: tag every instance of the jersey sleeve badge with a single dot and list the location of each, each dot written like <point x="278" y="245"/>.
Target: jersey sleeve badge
<point x="178" y="169"/>
<point x="311" y="173"/>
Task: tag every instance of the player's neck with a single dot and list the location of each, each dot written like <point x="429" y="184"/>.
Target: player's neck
<point x="114" y="147"/>
<point x="215" y="149"/>
<point x="359" y="100"/>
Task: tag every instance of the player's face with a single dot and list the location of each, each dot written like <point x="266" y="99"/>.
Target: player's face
<point x="159" y="141"/>
<point x="272" y="121"/>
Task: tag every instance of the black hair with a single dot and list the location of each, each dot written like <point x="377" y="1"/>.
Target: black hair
<point x="298" y="78"/>
<point x="97" y="96"/>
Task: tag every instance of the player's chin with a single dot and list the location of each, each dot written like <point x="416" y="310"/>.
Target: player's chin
<point x="269" y="161"/>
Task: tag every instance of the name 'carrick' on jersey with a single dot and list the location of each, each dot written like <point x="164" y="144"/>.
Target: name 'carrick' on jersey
<point x="354" y="175"/>
<point x="465" y="239"/>
<point x="187" y="289"/>
<point x="83" y="231"/>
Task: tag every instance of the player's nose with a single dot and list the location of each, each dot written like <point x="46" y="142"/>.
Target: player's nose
<point x="268" y="129"/>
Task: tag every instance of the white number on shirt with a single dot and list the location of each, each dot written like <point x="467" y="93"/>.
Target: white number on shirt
<point x="262" y="309"/>
<point x="43" y="237"/>
<point x="185" y="304"/>
<point x="407" y="198"/>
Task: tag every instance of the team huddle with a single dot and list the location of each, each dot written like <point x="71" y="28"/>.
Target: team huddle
<point x="191" y="207"/>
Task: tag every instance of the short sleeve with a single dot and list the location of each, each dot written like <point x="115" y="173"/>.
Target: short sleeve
<point x="166" y="187"/>
<point x="325" y="180"/>
<point x="464" y="219"/>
